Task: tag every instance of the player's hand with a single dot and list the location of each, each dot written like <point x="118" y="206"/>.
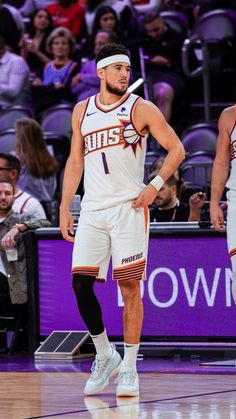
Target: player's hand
<point x="146" y="197"/>
<point x="67" y="225"/>
<point x="217" y="218"/>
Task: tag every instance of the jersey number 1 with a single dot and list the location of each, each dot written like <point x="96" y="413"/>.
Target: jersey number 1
<point x="105" y="165"/>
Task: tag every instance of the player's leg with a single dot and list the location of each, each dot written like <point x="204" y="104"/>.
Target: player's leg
<point x="129" y="251"/>
<point x="231" y="236"/>
<point x="90" y="261"/>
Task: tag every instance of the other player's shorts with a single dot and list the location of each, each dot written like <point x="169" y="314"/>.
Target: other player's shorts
<point x="231" y="226"/>
<point x="120" y="232"/>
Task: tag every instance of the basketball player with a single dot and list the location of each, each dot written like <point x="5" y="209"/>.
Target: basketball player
<point x="109" y="143"/>
<point x="225" y="152"/>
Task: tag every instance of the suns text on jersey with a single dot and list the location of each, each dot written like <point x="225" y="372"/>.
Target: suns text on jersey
<point x="102" y="138"/>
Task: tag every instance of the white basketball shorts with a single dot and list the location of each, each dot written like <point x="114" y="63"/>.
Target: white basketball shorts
<point x="120" y="232"/>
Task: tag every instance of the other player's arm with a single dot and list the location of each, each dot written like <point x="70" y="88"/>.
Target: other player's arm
<point x="149" y="117"/>
<point x="72" y="175"/>
<point x="220" y="169"/>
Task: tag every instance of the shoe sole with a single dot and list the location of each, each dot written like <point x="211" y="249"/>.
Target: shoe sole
<point x="127" y="393"/>
<point x="114" y="372"/>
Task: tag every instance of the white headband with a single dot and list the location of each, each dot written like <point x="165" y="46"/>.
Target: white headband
<point x="113" y="59"/>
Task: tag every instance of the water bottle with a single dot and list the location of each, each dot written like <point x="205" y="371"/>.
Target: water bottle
<point x="75" y="209"/>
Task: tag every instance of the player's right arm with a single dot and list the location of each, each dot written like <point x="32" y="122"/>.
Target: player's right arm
<point x="220" y="168"/>
<point x="73" y="173"/>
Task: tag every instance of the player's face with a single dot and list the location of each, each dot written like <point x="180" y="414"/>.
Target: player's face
<point x="117" y="78"/>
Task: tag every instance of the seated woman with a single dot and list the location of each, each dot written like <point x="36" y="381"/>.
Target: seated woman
<point x="106" y="18"/>
<point x="54" y="84"/>
<point x="33" y="44"/>
<point x="39" y="167"/>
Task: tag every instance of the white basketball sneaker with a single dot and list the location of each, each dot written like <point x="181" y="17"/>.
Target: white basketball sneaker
<point x="127" y="383"/>
<point x="102" y="369"/>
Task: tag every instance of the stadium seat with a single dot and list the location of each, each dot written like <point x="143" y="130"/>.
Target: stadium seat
<point x="9" y="116"/>
<point x="7" y="140"/>
<point x="200" y="137"/>
<point x="218" y="28"/>
<point x="57" y="119"/>
<point x="177" y="21"/>
<point x="196" y="169"/>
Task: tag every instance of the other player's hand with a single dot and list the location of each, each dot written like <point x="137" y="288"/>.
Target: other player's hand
<point x="146" y="197"/>
<point x="67" y="225"/>
<point x="217" y="218"/>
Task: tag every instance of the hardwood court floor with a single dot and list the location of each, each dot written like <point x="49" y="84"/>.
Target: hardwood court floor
<point x="25" y="395"/>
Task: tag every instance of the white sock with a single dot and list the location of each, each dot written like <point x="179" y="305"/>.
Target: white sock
<point x="102" y="345"/>
<point x="130" y="355"/>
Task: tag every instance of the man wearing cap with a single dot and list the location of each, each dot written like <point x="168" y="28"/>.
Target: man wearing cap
<point x="109" y="143"/>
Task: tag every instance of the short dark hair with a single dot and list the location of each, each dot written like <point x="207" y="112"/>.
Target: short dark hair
<point x="150" y="17"/>
<point x="12" y="161"/>
<point x="111" y="49"/>
<point x="112" y="36"/>
<point x="9" y="182"/>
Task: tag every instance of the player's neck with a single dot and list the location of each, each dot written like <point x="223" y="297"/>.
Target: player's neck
<point x="106" y="98"/>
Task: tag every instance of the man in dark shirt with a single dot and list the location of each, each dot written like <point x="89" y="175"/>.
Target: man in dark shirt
<point x="167" y="206"/>
<point x="162" y="45"/>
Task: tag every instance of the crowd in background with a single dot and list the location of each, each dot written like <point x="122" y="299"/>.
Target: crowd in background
<point x="47" y="57"/>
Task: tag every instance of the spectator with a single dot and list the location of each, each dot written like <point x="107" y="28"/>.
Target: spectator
<point x="69" y="14"/>
<point x="120" y="6"/>
<point x="163" y="45"/>
<point x="105" y="19"/>
<point x="10" y="168"/>
<point x="54" y="84"/>
<point x="31" y="6"/>
<point x="182" y="190"/>
<point x="86" y="82"/>
<point x="33" y="44"/>
<point x="167" y="207"/>
<point x="14" y="83"/>
<point x="39" y="168"/>
<point x="13" y="280"/>
<point x="11" y="26"/>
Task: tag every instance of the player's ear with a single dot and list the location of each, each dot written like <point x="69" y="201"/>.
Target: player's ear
<point x="100" y="73"/>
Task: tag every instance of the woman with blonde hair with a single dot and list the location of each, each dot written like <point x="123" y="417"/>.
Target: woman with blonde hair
<point x="39" y="167"/>
<point x="53" y="84"/>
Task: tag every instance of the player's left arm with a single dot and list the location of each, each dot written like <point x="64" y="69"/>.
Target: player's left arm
<point x="149" y="118"/>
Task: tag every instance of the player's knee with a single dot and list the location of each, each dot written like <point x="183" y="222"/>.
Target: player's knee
<point x="82" y="285"/>
<point x="129" y="288"/>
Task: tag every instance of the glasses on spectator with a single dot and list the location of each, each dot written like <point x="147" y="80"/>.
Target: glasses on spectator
<point x="5" y="168"/>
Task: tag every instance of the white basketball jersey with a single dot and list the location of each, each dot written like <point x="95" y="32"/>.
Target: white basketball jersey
<point x="114" y="153"/>
<point x="231" y="182"/>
